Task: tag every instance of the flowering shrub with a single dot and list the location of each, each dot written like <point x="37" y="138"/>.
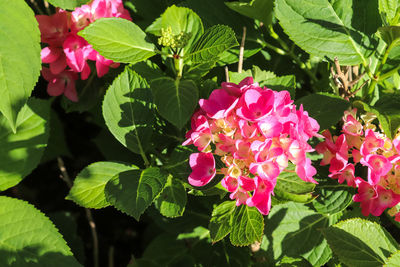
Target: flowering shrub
<point x="67" y="53"/>
<point x="365" y="146"/>
<point x="234" y="133"/>
<point x="255" y="131"/>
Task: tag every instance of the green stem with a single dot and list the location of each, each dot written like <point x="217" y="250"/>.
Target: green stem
<point x="376" y="76"/>
<point x="389" y="73"/>
<point x="289" y="51"/>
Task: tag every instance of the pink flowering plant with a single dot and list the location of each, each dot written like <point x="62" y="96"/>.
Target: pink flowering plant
<point x="199" y="133"/>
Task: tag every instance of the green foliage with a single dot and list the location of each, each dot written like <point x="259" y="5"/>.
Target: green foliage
<point x="175" y="99"/>
<point x="327" y="109"/>
<point x="28" y="237"/>
<point x="221" y="223"/>
<point x="390" y="34"/>
<point x="19" y="57"/>
<point x="293" y="230"/>
<point x="68" y="4"/>
<point x="119" y="40"/>
<point x="289" y="187"/>
<point x="329" y="29"/>
<point x="247" y="226"/>
<point x="256" y="9"/>
<point x="393" y="260"/>
<point x="128" y="110"/>
<point x="387" y="112"/>
<point x="89" y="184"/>
<point x="212" y="44"/>
<point x="172" y="200"/>
<point x="181" y="20"/>
<point x="22" y="151"/>
<point x="389" y="10"/>
<point x="353" y="242"/>
<point x="133" y="191"/>
<point x="332" y="196"/>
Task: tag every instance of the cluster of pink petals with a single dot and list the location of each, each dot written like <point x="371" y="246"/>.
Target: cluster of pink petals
<point x="361" y="144"/>
<point x="256" y="132"/>
<point x="67" y="53"/>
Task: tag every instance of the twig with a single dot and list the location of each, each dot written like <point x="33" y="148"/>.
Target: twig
<point x="65" y="177"/>
<point x="241" y="51"/>
<point x="226" y="74"/>
<point x="47" y="6"/>
<point x="38" y="9"/>
<point x="111" y="256"/>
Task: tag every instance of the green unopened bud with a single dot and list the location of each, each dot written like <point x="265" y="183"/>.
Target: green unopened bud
<point x="174" y="41"/>
<point x="182" y="39"/>
<point x="167" y="38"/>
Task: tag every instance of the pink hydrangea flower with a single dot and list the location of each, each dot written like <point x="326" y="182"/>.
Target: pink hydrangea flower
<point x="256" y="132"/>
<point x="364" y="146"/>
<point x="66" y="51"/>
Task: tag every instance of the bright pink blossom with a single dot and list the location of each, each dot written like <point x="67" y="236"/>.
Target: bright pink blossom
<point x="255" y="104"/>
<point x="262" y="195"/>
<point x="378" y="166"/>
<point x="203" y="168"/>
<point x="256" y="132"/>
<point x="219" y="104"/>
<point x="62" y="83"/>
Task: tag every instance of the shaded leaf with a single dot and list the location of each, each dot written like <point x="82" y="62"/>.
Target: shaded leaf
<point x="353" y="243"/>
<point x="132" y="192"/>
<point x="27" y="236"/>
<point x="172" y="200"/>
<point x="19" y="57"/>
<point x="21" y="152"/>
<point x="88" y="188"/>
<point x="175" y="99"/>
<point x="128" y="111"/>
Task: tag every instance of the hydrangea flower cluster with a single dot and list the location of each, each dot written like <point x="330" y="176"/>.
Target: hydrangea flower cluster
<point x="256" y="132"/>
<point x="362" y="144"/>
<point x="67" y="53"/>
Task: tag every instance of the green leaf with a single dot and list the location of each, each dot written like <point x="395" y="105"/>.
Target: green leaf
<point x="29" y="238"/>
<point x="326" y="29"/>
<point x="19" y="57"/>
<point x="119" y="40"/>
<point x="180" y="19"/>
<point x="68" y="4"/>
<point x="389" y="9"/>
<point x="165" y="250"/>
<point x="220" y="223"/>
<point x="287" y="82"/>
<point x="212" y="44"/>
<point x="247" y="226"/>
<point x="293" y="231"/>
<point x="128" y="111"/>
<point x="353" y="243"/>
<point x="332" y="196"/>
<point x="132" y="192"/>
<point x="89" y="184"/>
<point x="256" y="9"/>
<point x="67" y="225"/>
<point x="21" y="152"/>
<point x="175" y="99"/>
<point x="390" y="34"/>
<point x="148" y="70"/>
<point x="327" y="109"/>
<point x="393" y="260"/>
<point x="291" y="182"/>
<point x="172" y="200"/>
<point x="236" y="77"/>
